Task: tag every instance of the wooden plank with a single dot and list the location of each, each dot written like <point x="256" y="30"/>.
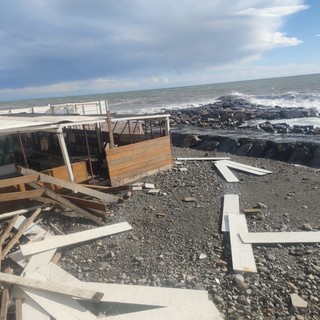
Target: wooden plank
<point x="18" y="180"/>
<point x="33" y="231"/>
<point x="59" y="306"/>
<point x="6" y="232"/>
<point x="73" y="238"/>
<point x="225" y="172"/>
<point x="141" y="175"/>
<point x="49" y="286"/>
<point x="72" y="186"/>
<point x="87" y="203"/>
<point x="230" y="206"/>
<point x="242" y="254"/>
<point x="246" y="168"/>
<point x="4" y="304"/>
<point x="132" y="162"/>
<point x="193" y="311"/>
<point x="68" y="204"/>
<point x="141" y="295"/>
<point x="22" y="211"/>
<point x="17" y="236"/>
<point x="19" y="195"/>
<point x="280" y="237"/>
<point x="203" y="159"/>
<point x="27" y="309"/>
<point x="79" y="171"/>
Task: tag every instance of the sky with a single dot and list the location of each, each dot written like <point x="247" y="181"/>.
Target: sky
<point x="62" y="48"/>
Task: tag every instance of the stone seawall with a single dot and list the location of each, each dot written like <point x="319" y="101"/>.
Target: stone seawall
<point x="236" y="126"/>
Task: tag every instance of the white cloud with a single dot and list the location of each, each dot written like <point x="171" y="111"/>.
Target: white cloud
<point x="56" y="46"/>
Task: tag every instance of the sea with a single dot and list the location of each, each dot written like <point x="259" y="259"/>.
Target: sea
<point x="302" y="91"/>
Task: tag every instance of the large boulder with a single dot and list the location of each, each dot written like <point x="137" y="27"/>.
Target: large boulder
<point x="229" y="145"/>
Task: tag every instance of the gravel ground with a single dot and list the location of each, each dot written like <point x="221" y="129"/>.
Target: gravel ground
<point x="177" y="243"/>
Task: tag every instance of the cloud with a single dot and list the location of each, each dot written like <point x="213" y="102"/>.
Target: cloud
<point x="46" y="44"/>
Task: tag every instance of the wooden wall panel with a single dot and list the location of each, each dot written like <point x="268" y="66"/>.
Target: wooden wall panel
<point x="79" y="171"/>
<point x="135" y="161"/>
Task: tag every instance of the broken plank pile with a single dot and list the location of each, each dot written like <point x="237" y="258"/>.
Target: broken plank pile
<point x="46" y="291"/>
<point x="93" y="208"/>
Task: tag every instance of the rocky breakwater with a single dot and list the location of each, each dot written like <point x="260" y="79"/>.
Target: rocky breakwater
<point x="236" y="126"/>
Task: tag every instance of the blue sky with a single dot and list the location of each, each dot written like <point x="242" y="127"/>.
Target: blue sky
<point x="60" y="48"/>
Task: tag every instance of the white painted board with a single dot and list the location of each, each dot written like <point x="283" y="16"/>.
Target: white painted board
<point x="280" y="237"/>
<point x="246" y="168"/>
<point x="230" y="206"/>
<point x="225" y="172"/>
<point x="191" y="311"/>
<point x="77" y="237"/>
<point x="142" y="295"/>
<point x="242" y="253"/>
<point x="203" y="159"/>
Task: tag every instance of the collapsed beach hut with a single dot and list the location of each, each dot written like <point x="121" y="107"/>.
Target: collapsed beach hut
<point x="78" y="148"/>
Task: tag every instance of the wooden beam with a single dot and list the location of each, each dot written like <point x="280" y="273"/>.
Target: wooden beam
<point x="19" y="195"/>
<point x="22" y="211"/>
<point x="5" y="300"/>
<point x="72" y="186"/>
<point x="242" y="254"/>
<point x="73" y="291"/>
<point x="280" y="237"/>
<point x="18" y="180"/>
<point x="15" y="239"/>
<point x="73" y="238"/>
<point x="7" y="231"/>
<point x="67" y="203"/>
<point x="225" y="172"/>
<point x="230" y="206"/>
<point x="18" y="309"/>
<point x="87" y="203"/>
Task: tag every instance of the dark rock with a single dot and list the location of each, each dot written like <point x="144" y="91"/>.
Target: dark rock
<point x="207" y="145"/>
<point x="257" y="150"/>
<point x="290" y="114"/>
<point x="300" y="155"/>
<point x="229" y="146"/>
<point x="315" y="161"/>
<point x="244" y="149"/>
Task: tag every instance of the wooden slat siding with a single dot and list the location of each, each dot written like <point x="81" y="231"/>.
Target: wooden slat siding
<point x="18" y="180"/>
<point x="142" y="164"/>
<point x="135" y="161"/>
<point x="11" y="196"/>
<point x="79" y="171"/>
<point x="125" y="153"/>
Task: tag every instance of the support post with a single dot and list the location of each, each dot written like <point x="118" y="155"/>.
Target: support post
<point x="167" y="127"/>
<point x="65" y="155"/>
<point x="110" y="128"/>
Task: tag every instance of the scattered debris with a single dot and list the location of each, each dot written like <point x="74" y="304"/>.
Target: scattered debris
<point x="189" y="199"/>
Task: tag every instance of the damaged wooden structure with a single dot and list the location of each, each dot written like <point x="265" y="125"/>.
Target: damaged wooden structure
<point x="79" y="148"/>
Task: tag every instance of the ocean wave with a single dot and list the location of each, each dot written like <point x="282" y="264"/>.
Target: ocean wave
<point x="289" y="99"/>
